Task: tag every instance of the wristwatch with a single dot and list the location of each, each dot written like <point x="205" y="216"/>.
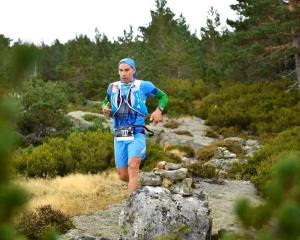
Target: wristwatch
<point x="161" y="109"/>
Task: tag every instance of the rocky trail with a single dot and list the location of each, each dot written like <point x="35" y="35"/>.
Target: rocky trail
<point x="218" y="196"/>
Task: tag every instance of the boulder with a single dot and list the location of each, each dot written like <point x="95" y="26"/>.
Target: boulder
<point x="150" y="179"/>
<point x="173" y="175"/>
<point x="183" y="188"/>
<point x="155" y="211"/>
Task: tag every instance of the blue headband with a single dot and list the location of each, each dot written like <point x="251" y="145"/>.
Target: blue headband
<point x="128" y="61"/>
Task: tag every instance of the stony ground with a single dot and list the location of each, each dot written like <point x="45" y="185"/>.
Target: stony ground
<point x="221" y="196"/>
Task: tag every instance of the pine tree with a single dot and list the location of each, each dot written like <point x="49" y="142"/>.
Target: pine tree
<point x="263" y="34"/>
<point x="169" y="46"/>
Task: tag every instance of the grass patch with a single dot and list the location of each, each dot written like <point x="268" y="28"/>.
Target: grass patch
<point x="172" y="124"/>
<point x="211" y="133"/>
<point x="186" y="133"/>
<point x="200" y="170"/>
<point x="209" y="152"/>
<point x="90" y="117"/>
<point x="67" y="194"/>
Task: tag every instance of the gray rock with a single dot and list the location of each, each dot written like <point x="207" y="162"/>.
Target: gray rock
<point x="150" y="179"/>
<point x="252" y="143"/>
<point x="79" y="122"/>
<point x="223" y="164"/>
<point x="251" y="147"/>
<point x="183" y="188"/>
<point x="172" y="166"/>
<point x="228" y="154"/>
<point x="194" y="125"/>
<point x="155" y="212"/>
<point x="173" y="175"/>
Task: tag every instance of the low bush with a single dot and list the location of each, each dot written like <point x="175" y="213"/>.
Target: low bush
<point x="278" y="216"/>
<point x="259" y="167"/>
<point x="186" y="90"/>
<point x="207" y="153"/>
<point x="186" y="149"/>
<point x="199" y="169"/>
<point x="258" y="107"/>
<point x="88" y="152"/>
<point x="44" y="106"/>
<point x="35" y="224"/>
<point x="92" y="151"/>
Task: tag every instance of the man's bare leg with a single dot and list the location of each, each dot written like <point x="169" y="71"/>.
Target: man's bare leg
<point x="123" y="174"/>
<point x="133" y="172"/>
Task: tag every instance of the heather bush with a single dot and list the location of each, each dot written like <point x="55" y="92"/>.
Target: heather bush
<point x="258" y="107"/>
<point x="85" y="152"/>
<point x="35" y="224"/>
<point x="259" y="167"/>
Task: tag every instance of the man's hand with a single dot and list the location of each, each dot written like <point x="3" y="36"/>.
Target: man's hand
<point x="156" y="116"/>
<point x="106" y="111"/>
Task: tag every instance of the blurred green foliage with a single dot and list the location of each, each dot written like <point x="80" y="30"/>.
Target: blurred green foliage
<point x="12" y="197"/>
<point x="278" y="217"/>
<point x="259" y="168"/>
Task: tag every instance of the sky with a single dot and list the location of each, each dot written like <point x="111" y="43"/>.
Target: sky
<point x="39" y="21"/>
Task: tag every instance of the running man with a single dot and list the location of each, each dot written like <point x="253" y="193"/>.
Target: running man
<point x="125" y="102"/>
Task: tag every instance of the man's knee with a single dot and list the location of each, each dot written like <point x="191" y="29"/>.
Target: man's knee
<point x="123" y="175"/>
<point x="134" y="164"/>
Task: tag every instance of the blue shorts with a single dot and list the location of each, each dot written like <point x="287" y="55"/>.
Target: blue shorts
<point x="124" y="150"/>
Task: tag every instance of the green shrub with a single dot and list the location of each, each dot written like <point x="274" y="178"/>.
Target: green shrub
<point x="44" y="105"/>
<point x="259" y="167"/>
<point x="88" y="152"/>
<point x="208" y="152"/>
<point x="186" y="90"/>
<point x="211" y="133"/>
<point x="278" y="217"/>
<point x="199" y="169"/>
<point x="90" y="117"/>
<point x="177" y="107"/>
<point x="34" y="224"/>
<point x="92" y="151"/>
<point x="257" y="107"/>
<point x="232" y="132"/>
<point x="47" y="160"/>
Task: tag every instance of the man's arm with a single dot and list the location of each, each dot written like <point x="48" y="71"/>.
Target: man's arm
<point x="156" y="116"/>
<point x="163" y="99"/>
<point x="106" y="109"/>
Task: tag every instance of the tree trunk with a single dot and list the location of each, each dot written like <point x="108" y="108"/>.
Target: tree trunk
<point x="296" y="41"/>
<point x="293" y="5"/>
